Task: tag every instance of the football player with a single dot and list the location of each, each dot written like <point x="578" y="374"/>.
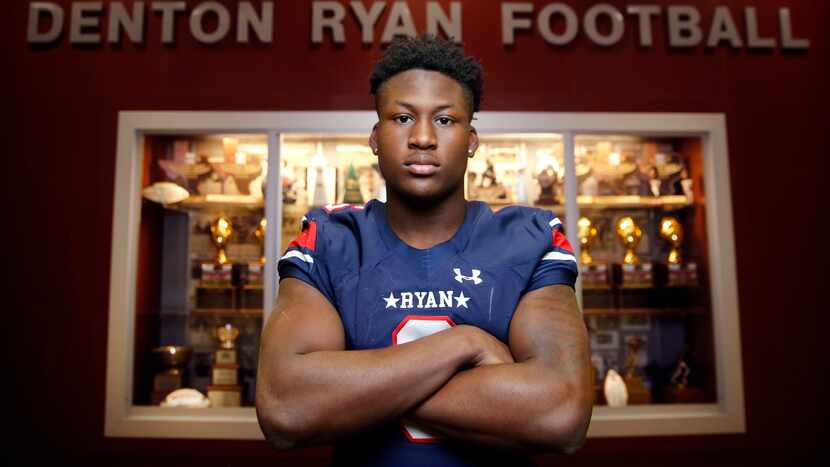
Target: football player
<point x="426" y="330"/>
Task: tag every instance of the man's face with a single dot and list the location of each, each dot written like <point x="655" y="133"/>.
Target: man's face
<point x="423" y="136"/>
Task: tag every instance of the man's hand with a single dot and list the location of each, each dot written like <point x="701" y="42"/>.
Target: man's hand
<point x="491" y="351"/>
<point x="540" y="403"/>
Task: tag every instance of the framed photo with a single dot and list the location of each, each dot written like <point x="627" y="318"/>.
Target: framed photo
<point x="635" y="323"/>
<point x="607" y="323"/>
<point x="605" y="340"/>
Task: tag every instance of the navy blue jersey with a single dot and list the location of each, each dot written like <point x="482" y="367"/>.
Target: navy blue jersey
<point x="389" y="293"/>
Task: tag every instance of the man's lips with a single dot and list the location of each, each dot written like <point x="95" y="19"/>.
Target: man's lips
<point x="421" y="165"/>
<point x="421" y="169"/>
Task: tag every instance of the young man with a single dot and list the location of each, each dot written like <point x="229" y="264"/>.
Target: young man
<point x="426" y="331"/>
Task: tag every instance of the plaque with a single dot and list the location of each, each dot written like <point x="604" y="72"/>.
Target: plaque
<point x="170" y="360"/>
<point x="638" y="393"/>
<point x="679" y="273"/>
<point x="634" y="273"/>
<point x="224" y="396"/>
<point x="594" y="275"/>
<point x="225" y="374"/>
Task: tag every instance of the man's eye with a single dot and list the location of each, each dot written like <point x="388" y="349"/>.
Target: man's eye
<point x="443" y="121"/>
<point x="403" y="118"/>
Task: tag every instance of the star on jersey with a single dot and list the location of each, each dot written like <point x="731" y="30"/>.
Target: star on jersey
<point x="391" y="301"/>
<point x="427" y="299"/>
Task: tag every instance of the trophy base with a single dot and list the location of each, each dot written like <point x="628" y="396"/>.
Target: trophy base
<point x="681" y="275"/>
<point x="226" y="374"/>
<point x="638" y="394"/>
<point x="683" y="395"/>
<point x="250" y="296"/>
<point x="595" y="276"/>
<point x="252" y="274"/>
<point x="636" y="276"/>
<point x="225" y="395"/>
<point x="215" y="297"/>
<point x="216" y="275"/>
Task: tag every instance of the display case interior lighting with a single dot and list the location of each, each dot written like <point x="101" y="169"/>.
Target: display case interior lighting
<point x="319" y="160"/>
<point x="353" y="148"/>
<point x="257" y="149"/>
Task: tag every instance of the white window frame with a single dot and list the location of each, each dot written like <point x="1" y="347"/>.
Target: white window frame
<point x="126" y="420"/>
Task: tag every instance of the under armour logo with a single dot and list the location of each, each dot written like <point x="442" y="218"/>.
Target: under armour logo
<point x="461" y="277"/>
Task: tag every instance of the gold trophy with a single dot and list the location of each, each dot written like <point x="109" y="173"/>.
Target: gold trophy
<point x="587" y="233"/>
<point x="629" y="234"/>
<point x="635" y="273"/>
<point x="679" y="273"/>
<point x="224" y="390"/>
<point x="672" y="231"/>
<point x="220" y="233"/>
<point x="215" y="289"/>
<point x="251" y="292"/>
<point x="637" y="391"/>
<point x="594" y="275"/>
<point x="259" y="233"/>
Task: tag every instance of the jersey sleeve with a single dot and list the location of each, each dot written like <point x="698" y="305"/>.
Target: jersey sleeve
<point x="305" y="257"/>
<point x="557" y="264"/>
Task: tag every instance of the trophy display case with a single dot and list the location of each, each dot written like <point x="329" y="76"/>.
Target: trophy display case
<point x="198" y="227"/>
<point x="645" y="292"/>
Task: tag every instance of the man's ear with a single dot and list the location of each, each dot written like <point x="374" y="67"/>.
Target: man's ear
<point x="373" y="139"/>
<point x="472" y="142"/>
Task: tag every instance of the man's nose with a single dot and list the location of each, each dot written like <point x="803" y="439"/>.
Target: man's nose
<point x="422" y="135"/>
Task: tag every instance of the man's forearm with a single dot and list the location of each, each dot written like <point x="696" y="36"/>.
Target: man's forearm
<point x="317" y="397"/>
<point x="520" y="405"/>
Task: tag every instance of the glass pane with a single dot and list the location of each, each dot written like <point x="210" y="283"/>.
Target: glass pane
<point x="646" y="297"/>
<point x="526" y="169"/>
<point x="200" y="264"/>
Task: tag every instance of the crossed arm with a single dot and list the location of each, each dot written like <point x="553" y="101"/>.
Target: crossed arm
<point x="462" y="382"/>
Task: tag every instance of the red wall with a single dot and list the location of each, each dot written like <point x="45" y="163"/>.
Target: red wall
<point x="62" y="113"/>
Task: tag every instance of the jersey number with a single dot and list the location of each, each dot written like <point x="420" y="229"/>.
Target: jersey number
<point x="410" y="329"/>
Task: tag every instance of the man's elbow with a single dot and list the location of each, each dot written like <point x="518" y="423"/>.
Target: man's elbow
<point x="565" y="427"/>
<point x="282" y="427"/>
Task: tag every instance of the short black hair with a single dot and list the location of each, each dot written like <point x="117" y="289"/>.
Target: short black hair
<point x="433" y="53"/>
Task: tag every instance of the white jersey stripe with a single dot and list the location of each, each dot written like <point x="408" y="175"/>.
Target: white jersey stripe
<point x="299" y="255"/>
<point x="556" y="255"/>
<point x="555" y="222"/>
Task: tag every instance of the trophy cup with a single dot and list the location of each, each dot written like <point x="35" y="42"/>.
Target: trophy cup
<point x="680" y="274"/>
<point x="171" y="360"/>
<point x="637" y="391"/>
<point x="635" y="274"/>
<point x="224" y="390"/>
<point x="215" y="290"/>
<point x="594" y="275"/>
